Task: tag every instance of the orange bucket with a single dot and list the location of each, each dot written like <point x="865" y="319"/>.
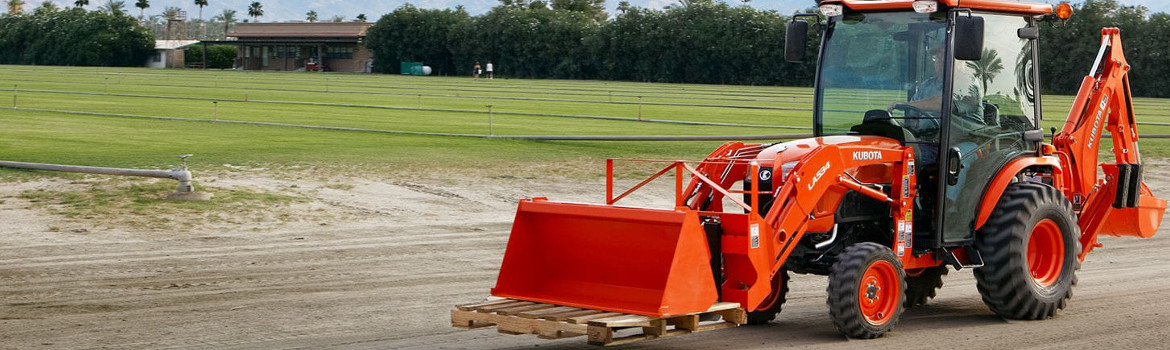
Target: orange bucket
<point x="1142" y="221"/>
<point x="631" y="260"/>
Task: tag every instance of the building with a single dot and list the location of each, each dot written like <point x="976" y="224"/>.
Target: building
<point x="324" y="46"/>
<point x="169" y="53"/>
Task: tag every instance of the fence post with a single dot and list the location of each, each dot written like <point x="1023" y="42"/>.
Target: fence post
<point x="639" y="108"/>
<point x="490" y="131"/>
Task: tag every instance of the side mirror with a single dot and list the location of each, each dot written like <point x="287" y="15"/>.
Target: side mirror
<point x="968" y="38"/>
<point x="796" y="41"/>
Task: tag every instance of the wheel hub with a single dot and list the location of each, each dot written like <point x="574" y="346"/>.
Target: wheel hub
<point x="871" y="291"/>
<point x="878" y="293"/>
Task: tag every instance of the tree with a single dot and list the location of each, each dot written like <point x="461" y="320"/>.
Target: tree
<point x="142" y="5"/>
<point x="116" y="7"/>
<point x="201" y="4"/>
<point x="218" y="56"/>
<point x="15" y="7"/>
<point x="624" y="6"/>
<point x="338" y="18"/>
<point x="255" y="10"/>
<point x="361" y="17"/>
<point x="81" y="3"/>
<point x="78" y="38"/>
<point x="46" y="7"/>
<point x="988" y="67"/>
<point x="418" y="35"/>
<point x="311" y="16"/>
<point x="228" y="17"/>
<point x="592" y="8"/>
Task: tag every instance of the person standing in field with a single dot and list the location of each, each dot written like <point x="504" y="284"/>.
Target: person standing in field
<point x="475" y="70"/>
<point x="489" y="70"/>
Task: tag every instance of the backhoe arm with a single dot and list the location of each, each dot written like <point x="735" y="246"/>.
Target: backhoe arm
<point x="1120" y="204"/>
<point x="1103" y="101"/>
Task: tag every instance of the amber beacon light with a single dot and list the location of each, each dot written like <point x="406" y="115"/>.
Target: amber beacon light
<point x="1064" y="11"/>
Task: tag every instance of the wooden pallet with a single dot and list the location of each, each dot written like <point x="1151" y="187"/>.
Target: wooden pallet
<point x="550" y="321"/>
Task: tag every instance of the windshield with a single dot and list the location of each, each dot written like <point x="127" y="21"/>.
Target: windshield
<point x="881" y="61"/>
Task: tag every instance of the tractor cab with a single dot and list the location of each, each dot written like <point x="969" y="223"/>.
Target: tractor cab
<point x="956" y="85"/>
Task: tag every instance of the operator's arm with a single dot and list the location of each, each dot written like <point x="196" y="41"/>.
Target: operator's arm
<point x="930" y="104"/>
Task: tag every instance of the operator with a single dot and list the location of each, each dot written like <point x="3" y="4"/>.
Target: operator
<point x="923" y="119"/>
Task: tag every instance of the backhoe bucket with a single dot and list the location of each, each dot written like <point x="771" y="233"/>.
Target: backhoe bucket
<point x="631" y="260"/>
<point x="1140" y="221"/>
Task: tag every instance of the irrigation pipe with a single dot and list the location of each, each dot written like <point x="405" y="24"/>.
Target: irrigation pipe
<point x="185" y="191"/>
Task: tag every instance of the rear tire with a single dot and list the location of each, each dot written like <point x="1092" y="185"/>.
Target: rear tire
<point x="866" y="291"/>
<point x="771" y="306"/>
<point x="922" y="284"/>
<point x="1029" y="247"/>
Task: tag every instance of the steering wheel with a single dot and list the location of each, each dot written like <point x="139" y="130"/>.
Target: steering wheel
<point x="920" y="115"/>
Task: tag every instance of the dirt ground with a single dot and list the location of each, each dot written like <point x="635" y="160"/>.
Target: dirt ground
<point x="378" y="264"/>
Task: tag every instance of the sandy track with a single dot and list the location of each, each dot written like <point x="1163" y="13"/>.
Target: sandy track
<point x="387" y="275"/>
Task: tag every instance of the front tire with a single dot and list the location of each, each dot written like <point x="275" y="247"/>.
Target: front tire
<point x="1029" y="247"/>
<point x="866" y="290"/>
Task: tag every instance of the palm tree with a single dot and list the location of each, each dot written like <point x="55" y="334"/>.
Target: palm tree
<point x="228" y="17"/>
<point x="987" y="68"/>
<point x="201" y="4"/>
<point x="81" y="3"/>
<point x="142" y="5"/>
<point x="47" y="7"/>
<point x="15" y="7"/>
<point x="116" y="7"/>
<point x="255" y="10"/>
<point x="311" y="16"/>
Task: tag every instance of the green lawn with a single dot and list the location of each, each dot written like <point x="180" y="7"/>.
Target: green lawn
<point x="42" y="130"/>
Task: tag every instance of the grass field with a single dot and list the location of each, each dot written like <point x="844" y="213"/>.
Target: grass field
<point x="116" y="117"/>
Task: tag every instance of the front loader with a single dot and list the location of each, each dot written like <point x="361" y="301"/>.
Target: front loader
<point x="928" y="156"/>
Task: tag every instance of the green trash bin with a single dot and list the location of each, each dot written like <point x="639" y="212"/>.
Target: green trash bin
<point x="411" y="68"/>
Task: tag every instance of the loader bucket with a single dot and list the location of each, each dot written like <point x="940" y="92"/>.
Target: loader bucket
<point x="631" y="260"/>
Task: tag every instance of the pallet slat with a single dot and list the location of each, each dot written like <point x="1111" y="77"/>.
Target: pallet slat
<point x="550" y="321"/>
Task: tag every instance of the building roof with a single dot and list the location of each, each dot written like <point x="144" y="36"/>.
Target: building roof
<point x="173" y="44"/>
<point x="301" y="30"/>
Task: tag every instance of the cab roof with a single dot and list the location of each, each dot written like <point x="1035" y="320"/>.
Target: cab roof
<point x="1030" y="8"/>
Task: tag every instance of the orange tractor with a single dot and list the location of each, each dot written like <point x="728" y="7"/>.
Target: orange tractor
<point x="928" y="156"/>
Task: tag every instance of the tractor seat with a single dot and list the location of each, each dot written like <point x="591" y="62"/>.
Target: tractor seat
<point x="880" y="122"/>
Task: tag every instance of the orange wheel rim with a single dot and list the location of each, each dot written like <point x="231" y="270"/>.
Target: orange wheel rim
<point x="1045" y="253"/>
<point x="878" y="293"/>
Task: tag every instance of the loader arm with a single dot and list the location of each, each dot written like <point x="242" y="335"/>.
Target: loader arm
<point x="1121" y="200"/>
<point x="752" y="259"/>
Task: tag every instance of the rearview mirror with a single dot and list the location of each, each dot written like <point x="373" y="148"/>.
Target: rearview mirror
<point x="968" y="38"/>
<point x="796" y="41"/>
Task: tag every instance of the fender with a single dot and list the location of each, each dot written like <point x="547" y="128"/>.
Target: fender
<point x="1004" y="178"/>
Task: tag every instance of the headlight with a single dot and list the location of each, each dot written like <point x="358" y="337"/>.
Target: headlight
<point x="830" y="10"/>
<point x="786" y="169"/>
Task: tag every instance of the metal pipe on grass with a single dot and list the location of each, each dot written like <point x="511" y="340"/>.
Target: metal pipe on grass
<point x="185" y="191"/>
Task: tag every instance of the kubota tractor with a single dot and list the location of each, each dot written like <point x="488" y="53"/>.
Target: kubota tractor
<point x="928" y="156"/>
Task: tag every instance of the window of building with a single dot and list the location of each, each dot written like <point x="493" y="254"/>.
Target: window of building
<point x="339" y="52"/>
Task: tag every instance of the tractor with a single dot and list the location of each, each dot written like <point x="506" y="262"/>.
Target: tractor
<point x="927" y="157"/>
